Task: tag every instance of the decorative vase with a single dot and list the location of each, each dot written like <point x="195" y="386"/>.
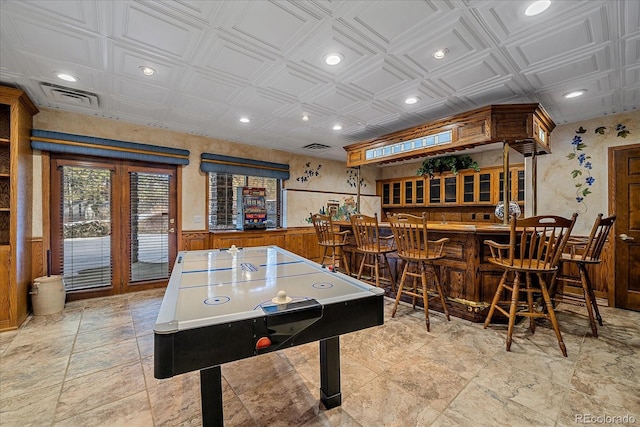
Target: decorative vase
<point x="514" y="210"/>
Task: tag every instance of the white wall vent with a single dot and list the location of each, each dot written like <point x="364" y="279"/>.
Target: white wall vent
<point x="69" y="96"/>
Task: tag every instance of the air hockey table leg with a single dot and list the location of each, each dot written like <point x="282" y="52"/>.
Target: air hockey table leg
<point x="330" y="372"/>
<point x="211" y="394"/>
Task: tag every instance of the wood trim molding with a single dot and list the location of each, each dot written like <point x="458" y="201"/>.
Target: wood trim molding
<point x="525" y="127"/>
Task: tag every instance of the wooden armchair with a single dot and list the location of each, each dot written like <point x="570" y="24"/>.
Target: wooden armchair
<point x="374" y="248"/>
<point x="331" y="239"/>
<point x="582" y="253"/>
<point x="535" y="247"/>
<point x="419" y="255"/>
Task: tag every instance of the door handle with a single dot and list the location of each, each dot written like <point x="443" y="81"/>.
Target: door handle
<point x="624" y="237"/>
<point x="172" y="230"/>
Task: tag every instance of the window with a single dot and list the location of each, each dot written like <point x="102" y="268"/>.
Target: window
<point x="223" y="199"/>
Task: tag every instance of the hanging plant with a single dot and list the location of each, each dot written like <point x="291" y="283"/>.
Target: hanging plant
<point x="447" y="163"/>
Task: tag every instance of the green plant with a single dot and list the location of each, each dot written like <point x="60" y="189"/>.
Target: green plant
<point x="447" y="163"/>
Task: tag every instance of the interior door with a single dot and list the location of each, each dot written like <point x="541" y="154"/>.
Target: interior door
<point x="627" y="227"/>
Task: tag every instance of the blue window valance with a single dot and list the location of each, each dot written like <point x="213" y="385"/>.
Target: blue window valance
<point x="58" y="142"/>
<point x="239" y="166"/>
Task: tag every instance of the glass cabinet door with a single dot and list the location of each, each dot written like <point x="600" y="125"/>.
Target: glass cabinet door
<point x="386" y="193"/>
<point x="408" y="192"/>
<point x="395" y="193"/>
<point x="450" y="189"/>
<point x="434" y="190"/>
<point x="520" y="186"/>
<point x="484" y="192"/>
<point x="468" y="184"/>
<point x="420" y="192"/>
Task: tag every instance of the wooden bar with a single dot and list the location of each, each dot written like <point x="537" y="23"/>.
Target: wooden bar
<point x="469" y="280"/>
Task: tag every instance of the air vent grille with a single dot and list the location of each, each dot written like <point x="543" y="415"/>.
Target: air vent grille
<point x="69" y="96"/>
<point x="316" y="146"/>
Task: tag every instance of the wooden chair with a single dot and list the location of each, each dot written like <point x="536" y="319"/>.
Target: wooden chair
<point x="535" y="247"/>
<point x="331" y="239"/>
<point x="373" y="248"/>
<point x="419" y="255"/>
<point x="581" y="253"/>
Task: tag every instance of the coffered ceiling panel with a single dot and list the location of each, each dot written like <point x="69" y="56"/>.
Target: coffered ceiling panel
<point x="216" y="61"/>
<point x="26" y="34"/>
<point x="160" y="32"/>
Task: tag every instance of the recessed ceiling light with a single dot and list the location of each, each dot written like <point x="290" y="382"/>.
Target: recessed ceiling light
<point x="67" y="77"/>
<point x="244" y="119"/>
<point x="440" y="53"/>
<point x="574" y="94"/>
<point x="147" y="71"/>
<point x="337" y="127"/>
<point x="333" y="58"/>
<point x="411" y="100"/>
<point x="305" y="117"/>
<point x="537" y="7"/>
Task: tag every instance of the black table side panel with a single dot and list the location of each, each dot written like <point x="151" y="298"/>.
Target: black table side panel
<point x="195" y="349"/>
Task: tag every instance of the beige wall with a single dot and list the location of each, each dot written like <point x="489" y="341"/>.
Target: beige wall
<point x="556" y="188"/>
<point x="333" y="176"/>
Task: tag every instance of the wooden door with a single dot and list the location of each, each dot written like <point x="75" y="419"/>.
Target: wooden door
<point x="113" y="225"/>
<point x="626" y="185"/>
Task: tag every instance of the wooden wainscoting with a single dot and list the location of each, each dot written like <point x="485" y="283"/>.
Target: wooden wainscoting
<point x="194" y="240"/>
<point x="38" y="257"/>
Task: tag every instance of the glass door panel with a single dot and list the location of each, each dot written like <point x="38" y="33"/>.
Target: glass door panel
<point x="150" y="226"/>
<point x="84" y="227"/>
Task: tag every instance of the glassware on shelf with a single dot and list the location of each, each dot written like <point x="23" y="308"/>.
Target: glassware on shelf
<point x="514" y="210"/>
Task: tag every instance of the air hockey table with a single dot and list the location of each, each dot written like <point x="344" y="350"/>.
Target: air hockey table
<point x="228" y="304"/>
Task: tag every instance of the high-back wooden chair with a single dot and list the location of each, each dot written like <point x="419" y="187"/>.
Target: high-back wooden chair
<point x="332" y="240"/>
<point x="535" y="247"/>
<point x="374" y="249"/>
<point x="419" y="255"/>
<point x="582" y="252"/>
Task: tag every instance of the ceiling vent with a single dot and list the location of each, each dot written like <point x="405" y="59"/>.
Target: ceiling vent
<point x="69" y="96"/>
<point x="316" y="146"/>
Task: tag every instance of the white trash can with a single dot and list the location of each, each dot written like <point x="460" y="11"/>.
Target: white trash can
<point x="48" y="295"/>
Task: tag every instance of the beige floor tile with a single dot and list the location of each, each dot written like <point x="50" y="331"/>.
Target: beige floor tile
<point x="105" y="357"/>
<point x="35" y="408"/>
<point x="94" y="361"/>
<point x="23" y="376"/>
<point x="103" y="336"/>
<point x="100" y="388"/>
<point x="479" y="406"/>
<point x="131" y="411"/>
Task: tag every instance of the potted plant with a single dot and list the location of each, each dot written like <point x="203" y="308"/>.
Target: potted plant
<point x="451" y="163"/>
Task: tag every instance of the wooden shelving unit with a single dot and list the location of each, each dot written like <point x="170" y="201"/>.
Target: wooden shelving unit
<point x="16" y="194"/>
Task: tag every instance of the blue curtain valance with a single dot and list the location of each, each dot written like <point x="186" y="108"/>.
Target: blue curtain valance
<point x="239" y="166"/>
<point x="58" y="142"/>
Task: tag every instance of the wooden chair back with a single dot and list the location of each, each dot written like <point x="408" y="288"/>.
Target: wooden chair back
<point x="325" y="231"/>
<point x="367" y="234"/>
<point x="411" y="237"/>
<point x="592" y="249"/>
<point x="537" y="242"/>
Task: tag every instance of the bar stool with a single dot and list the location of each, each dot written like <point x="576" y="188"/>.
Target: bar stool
<point x="373" y="248"/>
<point x="419" y="253"/>
<point x="535" y="246"/>
<point x="582" y="252"/>
<point x="331" y="239"/>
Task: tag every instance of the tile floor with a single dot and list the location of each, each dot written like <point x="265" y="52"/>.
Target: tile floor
<point x="92" y="365"/>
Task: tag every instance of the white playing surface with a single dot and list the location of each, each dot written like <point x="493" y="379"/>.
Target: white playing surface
<point x="216" y="286"/>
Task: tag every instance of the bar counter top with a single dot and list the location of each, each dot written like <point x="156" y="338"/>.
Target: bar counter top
<point x="478" y="227"/>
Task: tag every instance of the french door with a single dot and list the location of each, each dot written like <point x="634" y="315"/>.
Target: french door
<point x="113" y="225"/>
